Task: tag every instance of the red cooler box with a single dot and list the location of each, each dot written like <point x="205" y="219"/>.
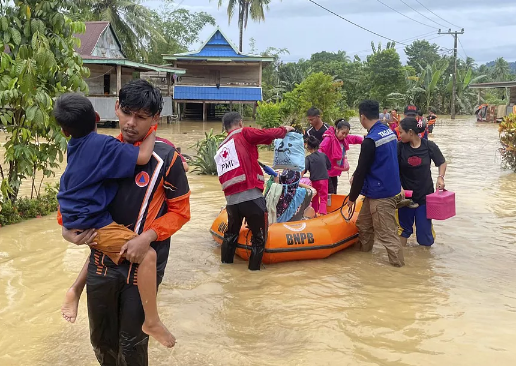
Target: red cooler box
<point x="440" y="205"/>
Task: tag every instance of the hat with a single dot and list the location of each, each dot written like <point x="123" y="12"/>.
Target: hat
<point x="410" y="110"/>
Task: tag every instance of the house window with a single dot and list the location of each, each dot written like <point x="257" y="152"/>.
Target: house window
<point x="107" y="84"/>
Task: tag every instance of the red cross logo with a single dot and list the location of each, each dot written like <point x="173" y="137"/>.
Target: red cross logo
<point x="225" y="154"/>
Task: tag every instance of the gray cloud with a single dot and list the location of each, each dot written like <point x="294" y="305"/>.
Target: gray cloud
<point x="345" y="8"/>
<point x="303" y="28"/>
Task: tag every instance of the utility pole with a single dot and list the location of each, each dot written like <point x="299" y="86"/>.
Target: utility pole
<point x="454" y="87"/>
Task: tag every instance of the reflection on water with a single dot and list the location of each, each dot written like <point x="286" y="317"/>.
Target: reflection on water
<point x="452" y="304"/>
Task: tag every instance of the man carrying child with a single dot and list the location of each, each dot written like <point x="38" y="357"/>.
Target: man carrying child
<point x="154" y="203"/>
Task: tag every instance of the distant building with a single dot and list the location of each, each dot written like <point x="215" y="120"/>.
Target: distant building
<point x="110" y="69"/>
<point x="491" y="113"/>
<point x="216" y="74"/>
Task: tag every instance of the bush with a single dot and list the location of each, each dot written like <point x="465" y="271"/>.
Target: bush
<point x="269" y="114"/>
<point x="26" y="208"/>
<point x="204" y="161"/>
<point x="507" y="131"/>
<point x="318" y="90"/>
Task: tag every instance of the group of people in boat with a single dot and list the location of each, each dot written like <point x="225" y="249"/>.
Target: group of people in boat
<point x="394" y="157"/>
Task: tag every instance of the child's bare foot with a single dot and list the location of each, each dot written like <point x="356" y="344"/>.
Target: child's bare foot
<point x="71" y="303"/>
<point x="159" y="332"/>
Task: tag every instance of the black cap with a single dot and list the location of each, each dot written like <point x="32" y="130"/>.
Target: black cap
<point x="410" y="110"/>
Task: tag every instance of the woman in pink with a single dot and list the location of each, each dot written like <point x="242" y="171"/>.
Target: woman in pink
<point x="335" y="143"/>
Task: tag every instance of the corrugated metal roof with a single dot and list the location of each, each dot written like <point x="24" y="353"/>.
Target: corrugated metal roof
<point x="499" y="84"/>
<point x="224" y="93"/>
<point x="133" y="64"/>
<point x="217" y="48"/>
<point x="90" y="38"/>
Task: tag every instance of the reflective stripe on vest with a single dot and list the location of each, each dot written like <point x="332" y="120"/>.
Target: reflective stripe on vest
<point x="385" y="140"/>
<point x="261" y="177"/>
<point x="230" y="136"/>
<point x="233" y="181"/>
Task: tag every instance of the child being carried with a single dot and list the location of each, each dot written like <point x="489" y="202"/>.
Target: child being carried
<point x="88" y="186"/>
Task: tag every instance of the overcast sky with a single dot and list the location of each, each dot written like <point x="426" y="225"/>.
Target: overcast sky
<point x="303" y="28"/>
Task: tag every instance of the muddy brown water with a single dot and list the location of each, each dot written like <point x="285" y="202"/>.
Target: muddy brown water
<point x="452" y="304"/>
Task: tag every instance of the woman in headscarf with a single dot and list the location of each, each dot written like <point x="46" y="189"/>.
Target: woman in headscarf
<point x="294" y="199"/>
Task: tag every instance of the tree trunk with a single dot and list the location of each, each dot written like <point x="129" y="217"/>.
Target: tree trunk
<point x="241" y="34"/>
<point x="241" y="25"/>
<point x="12" y="194"/>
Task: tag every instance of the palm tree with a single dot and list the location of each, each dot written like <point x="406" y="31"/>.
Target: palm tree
<point x="501" y="70"/>
<point x="255" y="8"/>
<point x="133" y="23"/>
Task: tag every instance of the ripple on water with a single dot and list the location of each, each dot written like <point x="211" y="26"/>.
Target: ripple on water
<point x="452" y="304"/>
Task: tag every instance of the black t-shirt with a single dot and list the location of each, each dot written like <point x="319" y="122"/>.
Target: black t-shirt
<point x="415" y="167"/>
<point x="318" y="165"/>
<point x="318" y="134"/>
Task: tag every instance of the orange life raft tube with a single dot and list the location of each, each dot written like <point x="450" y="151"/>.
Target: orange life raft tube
<point x="298" y="240"/>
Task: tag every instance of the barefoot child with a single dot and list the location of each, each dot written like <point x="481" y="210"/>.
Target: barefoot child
<point x="318" y="164"/>
<point x="88" y="186"/>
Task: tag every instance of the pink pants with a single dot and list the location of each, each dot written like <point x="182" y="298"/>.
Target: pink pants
<point x="320" y="200"/>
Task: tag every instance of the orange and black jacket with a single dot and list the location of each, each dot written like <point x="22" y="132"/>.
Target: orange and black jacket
<point x="157" y="198"/>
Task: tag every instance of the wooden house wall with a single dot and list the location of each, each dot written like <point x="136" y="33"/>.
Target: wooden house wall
<point x="96" y="80"/>
<point x="107" y="46"/>
<point x="230" y="75"/>
<point x="512" y="93"/>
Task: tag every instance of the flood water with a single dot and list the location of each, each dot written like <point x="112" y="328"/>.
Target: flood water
<point x="452" y="304"/>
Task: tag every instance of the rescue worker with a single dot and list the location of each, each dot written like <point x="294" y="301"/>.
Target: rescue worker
<point x="377" y="178"/>
<point x="155" y="204"/>
<point x="242" y="182"/>
<point x="431" y="118"/>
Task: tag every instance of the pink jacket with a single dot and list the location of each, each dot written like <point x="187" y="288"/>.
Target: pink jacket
<point x="336" y="149"/>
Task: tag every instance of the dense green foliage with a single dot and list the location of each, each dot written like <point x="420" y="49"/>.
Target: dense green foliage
<point x="41" y="64"/>
<point x="145" y="33"/>
<point x="507" y="130"/>
<point x="318" y="89"/>
<point x="426" y="81"/>
<point x="27" y="208"/>
<point x="179" y="27"/>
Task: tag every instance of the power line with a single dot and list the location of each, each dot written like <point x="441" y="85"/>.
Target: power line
<point x="456" y="26"/>
<point x="423" y="15"/>
<point x="429" y="39"/>
<point x="404" y="40"/>
<point x="355" y="24"/>
<point x="406" y="16"/>
<point x="463" y="50"/>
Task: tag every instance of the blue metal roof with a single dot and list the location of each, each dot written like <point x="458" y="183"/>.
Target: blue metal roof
<point x="224" y="93"/>
<point x="217" y="46"/>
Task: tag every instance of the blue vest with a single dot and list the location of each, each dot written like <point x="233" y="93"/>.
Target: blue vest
<point x="383" y="179"/>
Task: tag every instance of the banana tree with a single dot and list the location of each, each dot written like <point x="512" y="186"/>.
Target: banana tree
<point x="429" y="78"/>
<point x="412" y="95"/>
<point x="465" y="97"/>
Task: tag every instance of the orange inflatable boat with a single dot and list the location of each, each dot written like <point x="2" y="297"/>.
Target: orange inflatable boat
<point x="298" y="240"/>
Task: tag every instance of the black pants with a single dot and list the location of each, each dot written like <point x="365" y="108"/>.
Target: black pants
<point x="255" y="214"/>
<point x="332" y="185"/>
<point x="115" y="313"/>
